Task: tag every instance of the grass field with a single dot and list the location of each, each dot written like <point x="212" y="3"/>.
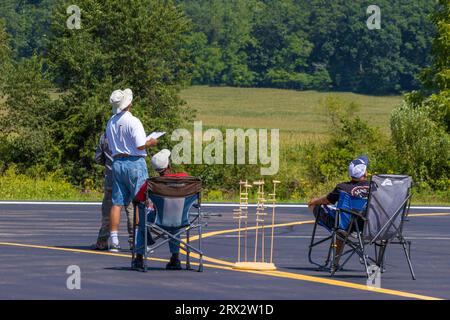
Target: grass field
<point x="297" y="113"/>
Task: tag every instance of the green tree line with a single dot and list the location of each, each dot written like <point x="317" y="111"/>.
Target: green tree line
<point x="310" y="44"/>
<point x="56" y="101"/>
<point x="294" y="44"/>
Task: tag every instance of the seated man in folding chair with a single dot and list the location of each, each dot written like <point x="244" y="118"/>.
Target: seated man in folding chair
<point x="358" y="186"/>
<point x="161" y="164"/>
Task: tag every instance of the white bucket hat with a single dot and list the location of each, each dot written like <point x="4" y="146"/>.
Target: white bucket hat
<point x="120" y="100"/>
<point x="160" y="161"/>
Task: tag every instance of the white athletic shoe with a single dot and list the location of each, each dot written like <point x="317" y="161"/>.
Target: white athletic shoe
<point x="113" y="247"/>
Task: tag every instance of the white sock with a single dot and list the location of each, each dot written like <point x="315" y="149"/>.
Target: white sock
<point x="115" y="238"/>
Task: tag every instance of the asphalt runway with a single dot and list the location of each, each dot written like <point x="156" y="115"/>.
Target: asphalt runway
<point x="39" y="241"/>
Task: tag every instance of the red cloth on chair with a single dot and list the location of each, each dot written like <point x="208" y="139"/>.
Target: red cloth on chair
<point x="140" y="196"/>
<point x="176" y="175"/>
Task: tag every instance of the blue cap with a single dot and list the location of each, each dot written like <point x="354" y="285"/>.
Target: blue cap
<point x="358" y="167"/>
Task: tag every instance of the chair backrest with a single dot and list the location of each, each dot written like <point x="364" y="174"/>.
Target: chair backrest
<point x="350" y="203"/>
<point x="388" y="202"/>
<point x="173" y="197"/>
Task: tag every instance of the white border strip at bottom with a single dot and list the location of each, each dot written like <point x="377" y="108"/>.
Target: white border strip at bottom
<point x="212" y="205"/>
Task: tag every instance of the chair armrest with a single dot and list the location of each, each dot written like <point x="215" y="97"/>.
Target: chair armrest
<point x="205" y="214"/>
<point x="355" y="213"/>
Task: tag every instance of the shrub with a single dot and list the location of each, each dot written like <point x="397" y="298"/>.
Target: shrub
<point x="350" y="136"/>
<point x="17" y="186"/>
<point x="423" y="145"/>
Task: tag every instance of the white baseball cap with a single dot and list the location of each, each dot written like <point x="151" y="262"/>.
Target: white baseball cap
<point x="357" y="168"/>
<point x="120" y="100"/>
<point x="160" y="161"/>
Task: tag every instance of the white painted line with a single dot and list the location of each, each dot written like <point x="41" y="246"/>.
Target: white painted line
<point x="430" y="208"/>
<point x="51" y="203"/>
<point x="211" y="205"/>
<point x="233" y="205"/>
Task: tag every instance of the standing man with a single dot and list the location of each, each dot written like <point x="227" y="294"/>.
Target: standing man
<point x="104" y="157"/>
<point x="128" y="142"/>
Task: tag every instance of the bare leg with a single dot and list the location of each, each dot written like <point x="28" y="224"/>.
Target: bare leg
<point x="115" y="218"/>
<point x="130" y="216"/>
<point x="339" y="247"/>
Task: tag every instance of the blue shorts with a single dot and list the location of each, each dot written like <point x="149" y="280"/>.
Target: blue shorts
<point x="129" y="174"/>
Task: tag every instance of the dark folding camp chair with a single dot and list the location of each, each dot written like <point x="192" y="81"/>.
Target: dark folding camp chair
<point x="382" y="218"/>
<point x="173" y="198"/>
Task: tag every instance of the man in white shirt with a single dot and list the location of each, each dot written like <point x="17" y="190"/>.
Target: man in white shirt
<point x="128" y="142"/>
<point x="103" y="157"/>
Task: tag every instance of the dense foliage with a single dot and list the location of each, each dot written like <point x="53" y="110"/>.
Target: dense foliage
<point x="310" y="44"/>
<point x="28" y="23"/>
<point x="421" y="127"/>
<point x="296" y="44"/>
<point x="118" y="46"/>
<point x="5" y="55"/>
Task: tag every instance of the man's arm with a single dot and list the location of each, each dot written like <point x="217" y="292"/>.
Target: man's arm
<point x="149" y="144"/>
<point x="99" y="153"/>
<point x="318" y="201"/>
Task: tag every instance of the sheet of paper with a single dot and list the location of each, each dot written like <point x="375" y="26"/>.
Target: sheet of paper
<point x="155" y="135"/>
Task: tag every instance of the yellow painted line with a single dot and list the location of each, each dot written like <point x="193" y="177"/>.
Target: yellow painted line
<point x="220" y="232"/>
<point x="278" y="274"/>
<point x="209" y="259"/>
<point x="101" y="253"/>
<point x="351" y="285"/>
<point x="437" y="214"/>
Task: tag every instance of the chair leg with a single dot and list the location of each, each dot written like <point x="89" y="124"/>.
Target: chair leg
<point x="133" y="252"/>
<point x="333" y="267"/>
<point x="188" y="252"/>
<point x="366" y="265"/>
<point x="334" y="246"/>
<point x="363" y="252"/>
<point x="200" y="267"/>
<point x="145" y="242"/>
<point x="408" y="258"/>
<point x="381" y="257"/>
<point x="200" y="234"/>
<point x="313" y="244"/>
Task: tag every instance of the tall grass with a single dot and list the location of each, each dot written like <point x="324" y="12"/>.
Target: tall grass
<point x="299" y="113"/>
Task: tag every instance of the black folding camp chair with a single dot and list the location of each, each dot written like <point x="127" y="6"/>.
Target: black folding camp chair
<point x="382" y="219"/>
<point x="387" y="210"/>
<point x="173" y="198"/>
